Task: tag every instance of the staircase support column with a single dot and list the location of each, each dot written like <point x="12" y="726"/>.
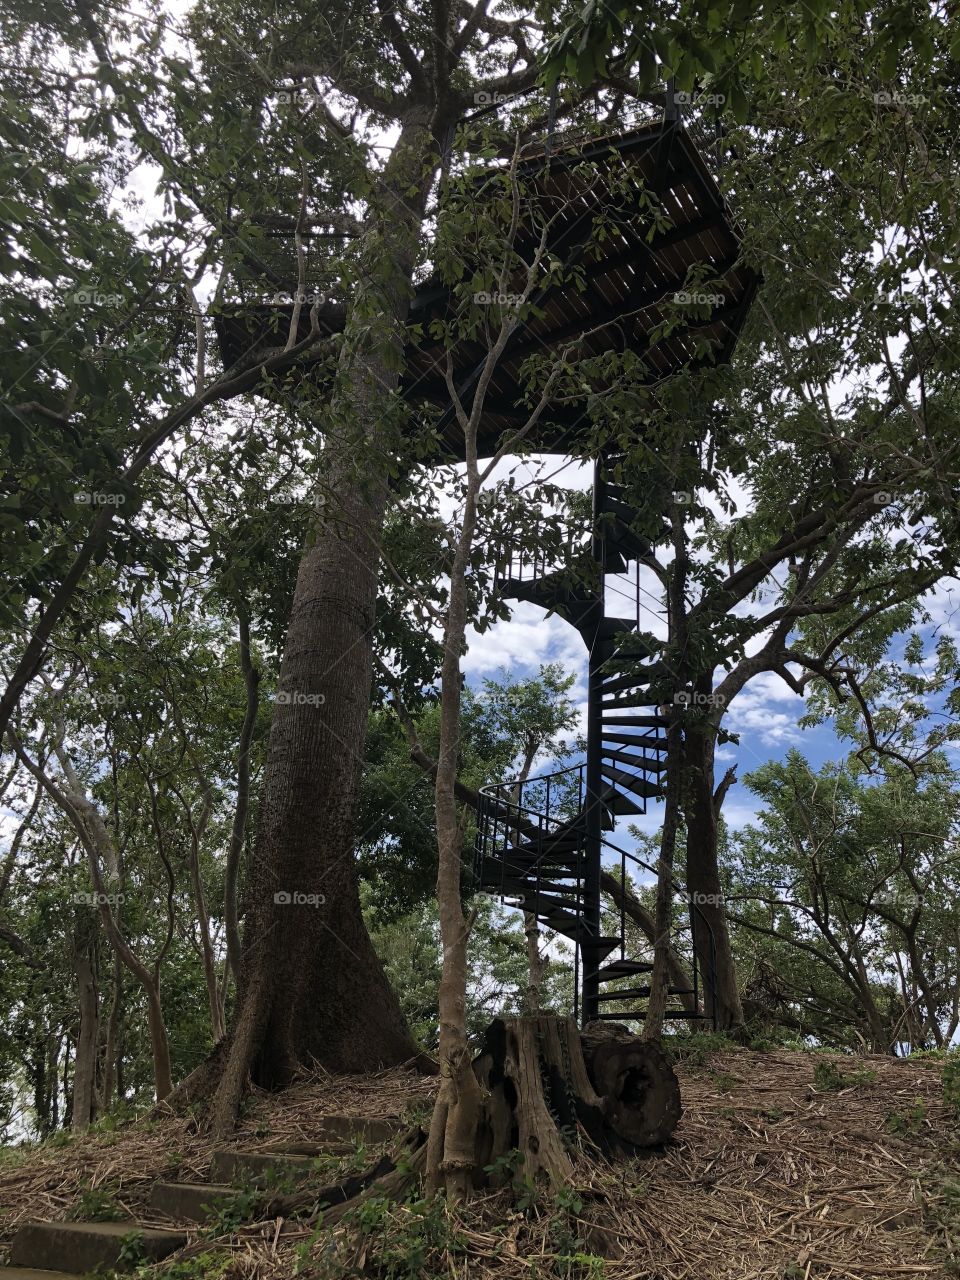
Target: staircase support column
<point x="593" y="824"/>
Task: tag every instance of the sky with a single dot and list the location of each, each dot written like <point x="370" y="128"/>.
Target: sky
<point x="764" y="714"/>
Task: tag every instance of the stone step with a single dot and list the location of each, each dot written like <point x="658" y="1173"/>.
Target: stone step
<point x="267" y="1167"/>
<point x="78" y="1247"/>
<point x="31" y="1273"/>
<point x="352" y="1127"/>
<point x="189" y="1201"/>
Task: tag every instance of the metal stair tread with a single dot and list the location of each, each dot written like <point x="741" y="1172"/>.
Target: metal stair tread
<point x="648" y="764"/>
<point x="637" y="993"/>
<point x="632" y="782"/>
<point x="640" y="1014"/>
<point x="624" y="968"/>
<point x="651" y="741"/>
<point x="640" y="722"/>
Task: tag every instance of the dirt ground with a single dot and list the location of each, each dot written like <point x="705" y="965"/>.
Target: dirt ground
<point x="785" y="1166"/>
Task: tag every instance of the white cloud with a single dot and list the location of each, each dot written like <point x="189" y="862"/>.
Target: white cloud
<point x="524" y="641"/>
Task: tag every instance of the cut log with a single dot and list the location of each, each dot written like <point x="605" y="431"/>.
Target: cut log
<point x="634" y="1077"/>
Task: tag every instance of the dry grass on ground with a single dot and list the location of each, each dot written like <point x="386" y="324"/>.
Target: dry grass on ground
<point x="770" y="1177"/>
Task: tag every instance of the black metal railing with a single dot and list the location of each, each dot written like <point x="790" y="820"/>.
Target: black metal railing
<point x="528" y="812"/>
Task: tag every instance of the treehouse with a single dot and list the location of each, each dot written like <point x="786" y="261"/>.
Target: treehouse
<point x="545" y="845"/>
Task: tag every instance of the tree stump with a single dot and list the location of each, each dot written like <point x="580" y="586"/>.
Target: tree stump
<point x="547" y="1092"/>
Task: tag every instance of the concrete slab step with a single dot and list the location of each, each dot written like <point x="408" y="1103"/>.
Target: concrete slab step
<point x="189" y="1201"/>
<point x="352" y="1127"/>
<point x="261" y="1167"/>
<point x="31" y="1273"/>
<point x="78" y="1247"/>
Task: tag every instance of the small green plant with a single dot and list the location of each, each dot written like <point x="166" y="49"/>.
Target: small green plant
<point x="951" y="1084"/>
<point x="418" y="1113"/>
<point x="131" y="1251"/>
<point x="697" y="1049"/>
<point x="828" y="1078"/>
<point x="205" y="1266"/>
<point x="571" y="1261"/>
<point x="724" y="1081"/>
<point x="98" y="1204"/>
<point x="226" y="1215"/>
<point x="762" y="1044"/>
<point x="328" y="1165"/>
<point x="908" y="1122"/>
<point x="505" y="1168"/>
<point x="406" y="1241"/>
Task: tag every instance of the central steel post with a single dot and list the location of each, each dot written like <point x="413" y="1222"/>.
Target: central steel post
<point x="594" y="814"/>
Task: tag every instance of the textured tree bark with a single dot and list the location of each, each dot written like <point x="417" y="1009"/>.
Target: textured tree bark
<point x="710" y="932"/>
<point x="109" y="1056"/>
<point x="532" y="996"/>
<point x="310" y="986"/>
<point x="85" y="1067"/>
<point x="231" y="915"/>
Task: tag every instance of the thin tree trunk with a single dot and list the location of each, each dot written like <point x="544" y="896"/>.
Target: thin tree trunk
<point x="231" y="915"/>
<point x="535" y="966"/>
<point x="451" y="1152"/>
<point x="210" y="976"/>
<point x="663" y="907"/>
<point x="708" y="915"/>
<point x="85" y="1068"/>
<point x="110" y="1045"/>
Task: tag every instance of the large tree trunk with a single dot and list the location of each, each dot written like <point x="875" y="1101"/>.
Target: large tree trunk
<point x="710" y="933"/>
<point x="310" y="987"/>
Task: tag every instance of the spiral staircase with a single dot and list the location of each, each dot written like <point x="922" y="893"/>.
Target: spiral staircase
<point x="543" y="844"/>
